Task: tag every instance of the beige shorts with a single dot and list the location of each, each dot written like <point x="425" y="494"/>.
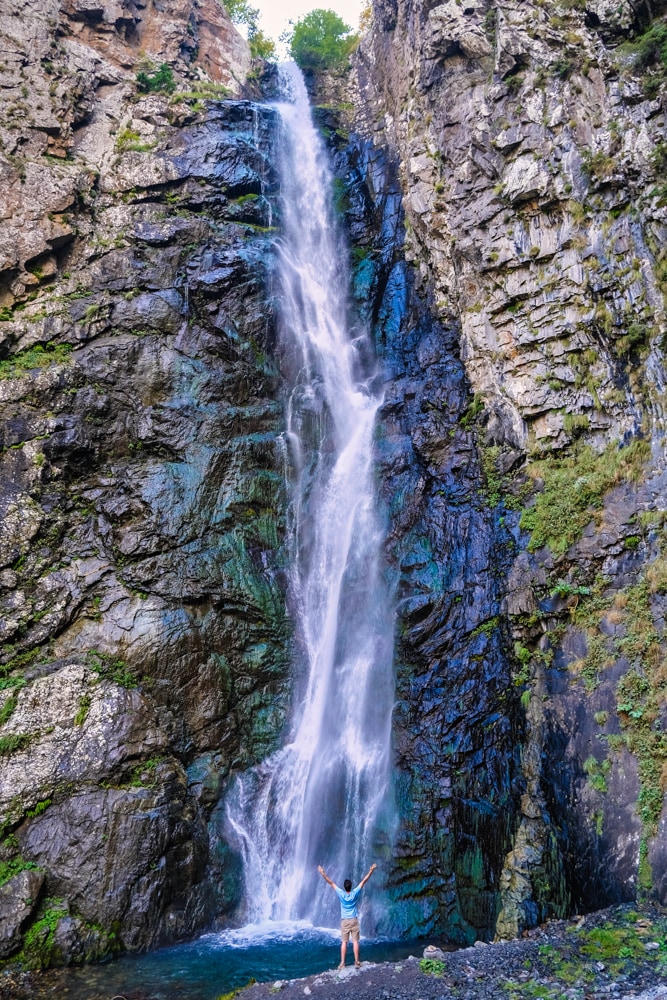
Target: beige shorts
<point x="349" y="929"/>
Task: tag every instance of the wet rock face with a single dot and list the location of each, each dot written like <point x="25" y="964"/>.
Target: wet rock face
<point x="457" y="729"/>
<point x="145" y="637"/>
<point x="534" y="239"/>
<point x="18" y="901"/>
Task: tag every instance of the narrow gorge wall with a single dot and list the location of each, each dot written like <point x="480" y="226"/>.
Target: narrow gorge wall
<point x="145" y="639"/>
<point x="500" y="172"/>
<point x="524" y="450"/>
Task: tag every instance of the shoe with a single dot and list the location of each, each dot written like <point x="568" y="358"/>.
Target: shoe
<point x="357" y="965"/>
<point x="341" y="966"/>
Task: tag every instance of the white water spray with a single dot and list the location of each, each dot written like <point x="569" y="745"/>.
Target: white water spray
<point x="325" y="797"/>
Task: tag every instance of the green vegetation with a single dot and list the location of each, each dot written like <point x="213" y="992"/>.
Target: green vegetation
<point x="261" y="46"/>
<point x="321" y="41"/>
<point x="128" y="140"/>
<point x="112" y="668"/>
<point x="432" y="967"/>
<point x="573" y="488"/>
<point x="609" y="943"/>
<point x="648" y="52"/>
<point x="488" y="627"/>
<point x="635" y="340"/>
<point x="83" y="709"/>
<point x="241" y="12"/>
<point x="10" y="744"/>
<point x="639" y="692"/>
<point x="531" y="990"/>
<point x="618" y="944"/>
<point x="18" y="661"/>
<point x="493" y="478"/>
<point x="8" y="707"/>
<point x="38" y="941"/>
<point x="565" y="589"/>
<point x="39" y="809"/>
<point x="160" y="80"/>
<point x="650" y="49"/>
<point x="597" y="772"/>
<point x="599" y="166"/>
<point x="143" y="775"/>
<point x="204" y="91"/>
<point x="564" y="67"/>
<point x="34" y="357"/>
<point x="11" y="682"/>
<point x="8" y="869"/>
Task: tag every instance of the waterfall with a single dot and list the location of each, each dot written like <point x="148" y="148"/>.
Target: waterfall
<point x="325" y="797"/>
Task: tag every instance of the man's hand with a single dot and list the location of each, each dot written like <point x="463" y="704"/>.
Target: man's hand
<point x="325" y="876"/>
<point x="368" y="875"/>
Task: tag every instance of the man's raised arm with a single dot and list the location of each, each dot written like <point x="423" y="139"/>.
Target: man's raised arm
<point x="367" y="876"/>
<point x="325" y="876"/>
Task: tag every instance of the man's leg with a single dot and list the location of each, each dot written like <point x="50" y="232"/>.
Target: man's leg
<point x="343" y="949"/>
<point x="355" y="942"/>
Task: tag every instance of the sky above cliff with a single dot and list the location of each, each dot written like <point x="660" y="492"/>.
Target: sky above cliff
<point x="275" y="17"/>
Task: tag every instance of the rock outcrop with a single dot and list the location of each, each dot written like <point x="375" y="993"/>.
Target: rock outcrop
<point x="526" y="515"/>
<point x="141" y="491"/>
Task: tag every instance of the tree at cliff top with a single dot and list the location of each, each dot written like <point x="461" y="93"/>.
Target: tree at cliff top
<point x="321" y="40"/>
<point x="241" y="12"/>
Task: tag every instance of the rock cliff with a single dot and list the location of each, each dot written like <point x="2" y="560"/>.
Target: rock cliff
<point x="500" y="172"/>
<point x="527" y="516"/>
<point x="143" y="617"/>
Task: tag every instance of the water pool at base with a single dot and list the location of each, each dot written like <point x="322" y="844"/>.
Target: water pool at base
<point x="216" y="963"/>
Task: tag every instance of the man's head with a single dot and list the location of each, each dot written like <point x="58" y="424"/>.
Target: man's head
<point x="347" y="885"/>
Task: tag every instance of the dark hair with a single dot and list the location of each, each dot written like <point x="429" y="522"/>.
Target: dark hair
<point x="347" y="885"/>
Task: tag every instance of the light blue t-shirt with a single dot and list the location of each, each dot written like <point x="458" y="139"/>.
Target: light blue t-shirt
<point x="348" y="902"/>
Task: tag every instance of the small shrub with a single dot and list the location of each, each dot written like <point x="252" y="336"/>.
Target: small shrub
<point x="112" y="668"/>
<point x="261" y="46"/>
<point x="34" y="357"/>
<point x="565" y="589"/>
<point x="159" y="81"/>
<point x="564" y="67"/>
<point x="596" y="773"/>
<point x="432" y="967"/>
<point x="473" y="410"/>
<point x="599" y="166"/>
<point x="128" y="140"/>
<point x="635" y="339"/>
<point x="650" y="49"/>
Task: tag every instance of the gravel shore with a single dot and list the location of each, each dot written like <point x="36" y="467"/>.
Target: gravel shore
<point x="608" y="955"/>
<point x="612" y="954"/>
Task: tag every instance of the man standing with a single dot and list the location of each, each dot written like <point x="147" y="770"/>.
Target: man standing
<point x="349" y="918"/>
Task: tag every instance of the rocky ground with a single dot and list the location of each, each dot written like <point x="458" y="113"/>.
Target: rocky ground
<point x="616" y="953"/>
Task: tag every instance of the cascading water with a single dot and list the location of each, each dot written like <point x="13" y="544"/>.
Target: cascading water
<point x="325" y="797"/>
